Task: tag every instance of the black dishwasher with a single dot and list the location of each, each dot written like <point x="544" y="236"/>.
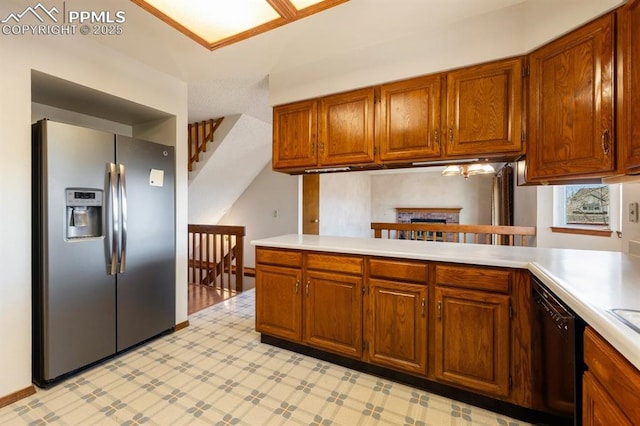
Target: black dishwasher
<point x="558" y="345"/>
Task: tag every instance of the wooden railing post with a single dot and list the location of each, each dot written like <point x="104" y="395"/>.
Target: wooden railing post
<point x="212" y="252"/>
<point x="239" y="262"/>
<point x="199" y="134"/>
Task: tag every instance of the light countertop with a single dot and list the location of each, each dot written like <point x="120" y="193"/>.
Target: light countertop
<point x="590" y="282"/>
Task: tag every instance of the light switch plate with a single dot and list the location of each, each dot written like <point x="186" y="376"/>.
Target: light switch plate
<point x="633" y="212"/>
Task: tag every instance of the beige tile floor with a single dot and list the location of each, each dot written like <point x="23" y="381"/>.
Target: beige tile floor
<point x="216" y="372"/>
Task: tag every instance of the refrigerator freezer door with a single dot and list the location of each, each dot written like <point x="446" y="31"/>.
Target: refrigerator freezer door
<point x="146" y="288"/>
<point x="74" y="298"/>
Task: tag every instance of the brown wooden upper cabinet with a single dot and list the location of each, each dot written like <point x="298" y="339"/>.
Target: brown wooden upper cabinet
<point x="345" y="133"/>
<point x="628" y="79"/>
<point x="295" y="135"/>
<point x="484" y="109"/>
<point x="407" y="122"/>
<point x="410" y="113"/>
<point x="571" y="133"/>
<point x="336" y="130"/>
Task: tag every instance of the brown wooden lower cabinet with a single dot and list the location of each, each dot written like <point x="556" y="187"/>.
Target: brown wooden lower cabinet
<point x="278" y="301"/>
<point x="397" y="330"/>
<point x="397" y="308"/>
<point x="333" y="312"/>
<point x="599" y="409"/>
<point x="472" y="340"/>
<point x="611" y="386"/>
<point x="438" y="322"/>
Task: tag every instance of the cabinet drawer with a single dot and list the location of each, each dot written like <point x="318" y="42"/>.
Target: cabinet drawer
<point x="335" y="263"/>
<point x="398" y="270"/>
<point x="617" y="375"/>
<point x="474" y="278"/>
<point x="279" y="257"/>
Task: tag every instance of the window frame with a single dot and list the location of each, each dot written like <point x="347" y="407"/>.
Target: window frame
<point x="599" y="230"/>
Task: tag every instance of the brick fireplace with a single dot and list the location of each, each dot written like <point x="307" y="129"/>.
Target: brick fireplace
<point x="447" y="214"/>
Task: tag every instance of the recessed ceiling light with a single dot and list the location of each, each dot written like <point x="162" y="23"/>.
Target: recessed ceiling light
<point x="218" y="23"/>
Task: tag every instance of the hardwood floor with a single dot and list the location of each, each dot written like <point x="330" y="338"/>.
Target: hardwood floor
<point x="202" y="296"/>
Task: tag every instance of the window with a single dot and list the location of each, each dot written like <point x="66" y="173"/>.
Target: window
<point x="586" y="205"/>
<point x="586" y="209"/>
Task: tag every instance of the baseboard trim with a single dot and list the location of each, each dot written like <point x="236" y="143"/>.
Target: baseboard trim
<point x="182" y="325"/>
<point x="16" y="396"/>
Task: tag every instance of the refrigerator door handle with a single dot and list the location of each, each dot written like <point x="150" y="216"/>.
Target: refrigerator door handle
<point x="113" y="223"/>
<point x="123" y="218"/>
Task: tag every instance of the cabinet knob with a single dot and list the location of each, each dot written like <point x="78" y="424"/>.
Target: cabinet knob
<point x="451" y="134"/>
<point x="297" y="286"/>
<point x="307" y="288"/>
<point x="605" y="142"/>
<point x="439" y="310"/>
<point x="423" y="306"/>
<point x="436" y="137"/>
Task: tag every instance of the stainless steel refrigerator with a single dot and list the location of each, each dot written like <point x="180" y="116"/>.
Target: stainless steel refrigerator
<point x="103" y="246"/>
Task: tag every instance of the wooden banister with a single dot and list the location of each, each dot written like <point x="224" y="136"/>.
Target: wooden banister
<point x="478" y="234"/>
<point x="212" y="252"/>
<point x="199" y="135"/>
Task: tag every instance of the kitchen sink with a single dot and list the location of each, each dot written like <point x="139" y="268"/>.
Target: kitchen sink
<point x="628" y="316"/>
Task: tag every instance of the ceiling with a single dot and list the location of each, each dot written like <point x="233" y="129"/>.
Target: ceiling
<point x="233" y="79"/>
<point x="346" y="27"/>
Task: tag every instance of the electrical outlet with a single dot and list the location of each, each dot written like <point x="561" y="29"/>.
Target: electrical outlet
<point x="633" y="212"/>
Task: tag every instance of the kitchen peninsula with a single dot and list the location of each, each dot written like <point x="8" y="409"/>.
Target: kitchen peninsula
<point x="395" y="304"/>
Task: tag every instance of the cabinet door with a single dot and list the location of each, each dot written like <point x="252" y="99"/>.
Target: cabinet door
<point x="295" y="135"/>
<point x="615" y="374"/>
<point x="346" y="128"/>
<point x="571" y="105"/>
<point x="628" y="80"/>
<point x="598" y="409"/>
<point x="397" y="330"/>
<point x="484" y="109"/>
<point x="278" y="302"/>
<point x="410" y="119"/>
<point x="333" y="312"/>
<point x="472" y="340"/>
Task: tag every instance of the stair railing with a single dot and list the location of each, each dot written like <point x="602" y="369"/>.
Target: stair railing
<point x="216" y="254"/>
<point x="199" y="135"/>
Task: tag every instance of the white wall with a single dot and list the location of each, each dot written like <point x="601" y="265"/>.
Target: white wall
<point x="345" y="204"/>
<point x="39" y="112"/>
<point x="431" y="189"/>
<point x="525" y="205"/>
<point x="494" y="35"/>
<point x="548" y="239"/>
<point x="78" y="59"/>
<point x="268" y="207"/>
<point x="350" y="201"/>
<point x="630" y="231"/>
<point x="545" y="20"/>
<point x="506" y="32"/>
<point x="241" y="149"/>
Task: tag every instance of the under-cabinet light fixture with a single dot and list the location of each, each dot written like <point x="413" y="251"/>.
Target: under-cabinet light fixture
<point x="467" y="170"/>
<point x="333" y="169"/>
<point x="442" y="162"/>
<point x="218" y="23"/>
